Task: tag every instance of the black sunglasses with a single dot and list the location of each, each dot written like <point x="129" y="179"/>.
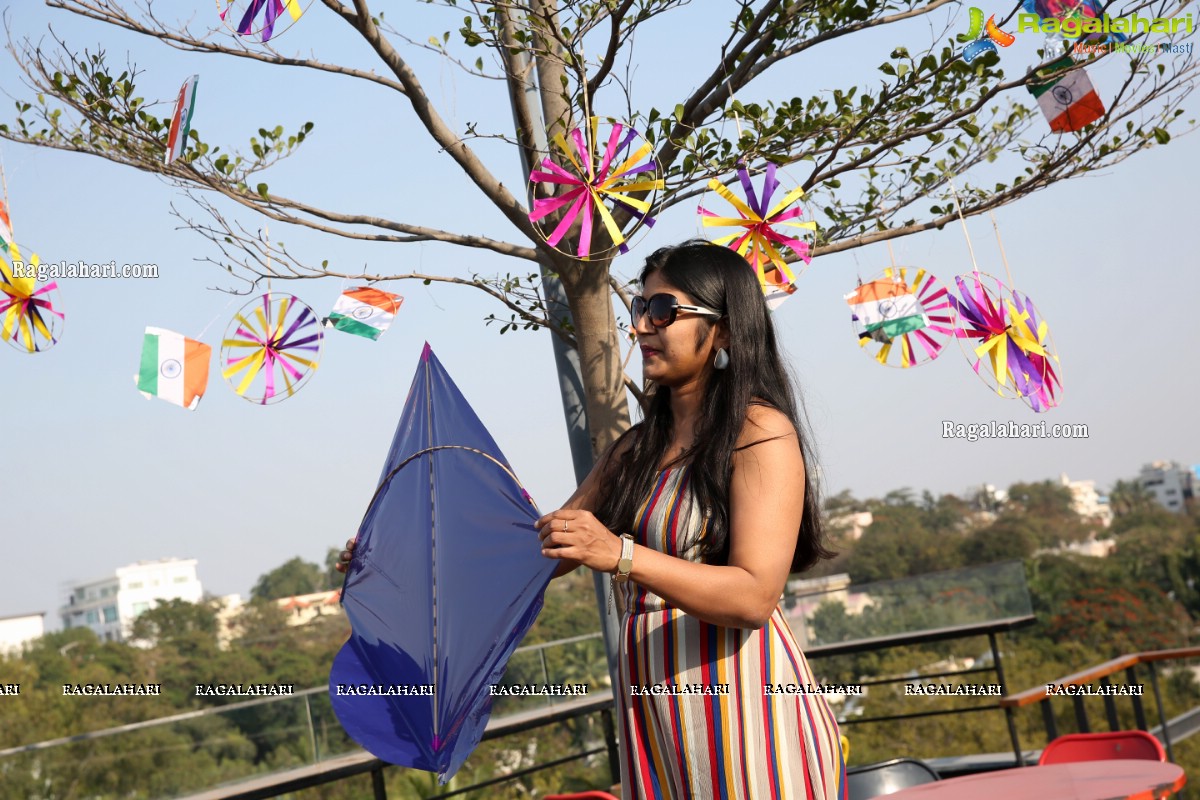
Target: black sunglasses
<point x="663" y="309"/>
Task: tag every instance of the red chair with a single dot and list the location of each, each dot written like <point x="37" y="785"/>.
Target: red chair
<point x="1102" y="747"/>
<point x="581" y="796"/>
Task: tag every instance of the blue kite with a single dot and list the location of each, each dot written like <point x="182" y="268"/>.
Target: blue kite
<point x="447" y="578"/>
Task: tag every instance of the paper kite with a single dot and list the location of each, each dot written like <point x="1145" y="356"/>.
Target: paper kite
<point x="1011" y="352"/>
<point x="173" y="368"/>
<point x="446" y="579"/>
<point x="1068" y="99"/>
<point x="271" y="348"/>
<point x="600" y="177"/>
<point x="763" y="239"/>
<point x="364" y="311"/>
<point x="31" y="316"/>
<point x="901" y="323"/>
<point x="247" y="13"/>
<point x="181" y="119"/>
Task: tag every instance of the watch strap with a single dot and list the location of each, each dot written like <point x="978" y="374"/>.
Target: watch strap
<point x="625" y="564"/>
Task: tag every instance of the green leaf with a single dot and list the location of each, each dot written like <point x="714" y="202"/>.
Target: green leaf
<point x="262" y="190"/>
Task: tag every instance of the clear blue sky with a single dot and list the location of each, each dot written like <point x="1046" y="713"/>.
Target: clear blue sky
<point x="97" y="476"/>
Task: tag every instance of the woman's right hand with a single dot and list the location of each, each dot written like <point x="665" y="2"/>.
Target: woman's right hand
<point x="344" y="557"/>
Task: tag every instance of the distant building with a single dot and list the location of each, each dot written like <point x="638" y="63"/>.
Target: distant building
<point x="304" y="608"/>
<point x="853" y="524"/>
<point x="1087" y="502"/>
<point x="985" y="497"/>
<point x="301" y="609"/>
<point x="1096" y="548"/>
<point x="109" y="605"/>
<point x="16" y="631"/>
<point x="1171" y="484"/>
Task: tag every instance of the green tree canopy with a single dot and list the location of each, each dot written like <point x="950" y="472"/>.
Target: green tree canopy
<point x="293" y="577"/>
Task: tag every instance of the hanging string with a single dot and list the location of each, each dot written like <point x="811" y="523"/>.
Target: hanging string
<point x="1004" y="258"/>
<point x="200" y="336"/>
<point x="962" y="219"/>
<point x="267" y="239"/>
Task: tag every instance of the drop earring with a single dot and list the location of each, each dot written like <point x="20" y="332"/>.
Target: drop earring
<point x="722" y="359"/>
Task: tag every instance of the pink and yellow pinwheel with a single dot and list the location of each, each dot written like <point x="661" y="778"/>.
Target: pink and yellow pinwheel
<point x="1010" y="353"/>
<point x="901" y="322"/>
<point x="764" y="239"/>
<point x="1049" y="394"/>
<point x="247" y="13"/>
<point x="271" y="348"/>
<point x="31" y="316"/>
<point x="597" y="177"/>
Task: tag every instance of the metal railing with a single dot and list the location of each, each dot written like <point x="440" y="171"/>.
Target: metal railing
<point x="1102" y="674"/>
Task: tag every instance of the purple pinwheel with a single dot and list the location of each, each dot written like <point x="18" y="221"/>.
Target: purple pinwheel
<point x="271" y="11"/>
<point x="1009" y="337"/>
<point x="271" y="348"/>
<point x="763" y="239"/>
<point x="599" y="182"/>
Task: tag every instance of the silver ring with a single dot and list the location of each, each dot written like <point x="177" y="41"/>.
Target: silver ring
<point x="565" y="526"/>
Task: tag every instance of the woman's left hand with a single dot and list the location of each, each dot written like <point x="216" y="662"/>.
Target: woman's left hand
<point x="578" y="536"/>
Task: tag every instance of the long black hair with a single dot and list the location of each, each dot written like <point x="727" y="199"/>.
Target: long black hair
<point x="716" y="278"/>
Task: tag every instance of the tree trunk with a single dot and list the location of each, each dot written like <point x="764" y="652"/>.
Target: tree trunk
<point x="597" y="341"/>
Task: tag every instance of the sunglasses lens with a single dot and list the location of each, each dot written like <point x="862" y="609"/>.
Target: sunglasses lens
<point x="661" y="308"/>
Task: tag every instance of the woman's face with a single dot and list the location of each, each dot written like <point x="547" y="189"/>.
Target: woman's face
<point x="681" y="352"/>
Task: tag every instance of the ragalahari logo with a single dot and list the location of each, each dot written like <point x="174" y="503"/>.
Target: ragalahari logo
<point x="982" y="37"/>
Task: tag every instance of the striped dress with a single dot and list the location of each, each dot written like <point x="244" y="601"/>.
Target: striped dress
<point x="691" y="740"/>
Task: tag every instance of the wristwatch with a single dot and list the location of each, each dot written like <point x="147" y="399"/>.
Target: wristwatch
<point x="625" y="564"/>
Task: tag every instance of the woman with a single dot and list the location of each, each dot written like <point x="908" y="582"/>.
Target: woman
<point x="712" y="490"/>
<point x="713" y="487"/>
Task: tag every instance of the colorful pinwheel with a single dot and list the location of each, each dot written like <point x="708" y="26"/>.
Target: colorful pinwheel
<point x="1010" y="338"/>
<point x="901" y="323"/>
<point x="1049" y="394"/>
<point x="763" y="240"/>
<point x="248" y="11"/>
<point x="275" y="339"/>
<point x="596" y="178"/>
<point x="31" y="318"/>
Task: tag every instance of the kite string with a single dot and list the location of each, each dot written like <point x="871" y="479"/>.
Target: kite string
<point x="200" y="335"/>
<point x="1004" y="258"/>
<point x="962" y="219"/>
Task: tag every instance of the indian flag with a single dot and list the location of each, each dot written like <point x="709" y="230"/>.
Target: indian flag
<point x="1069" y="102"/>
<point x="887" y="308"/>
<point x="364" y="311"/>
<point x="6" y="237"/>
<point x="181" y="120"/>
<point x="174" y="368"/>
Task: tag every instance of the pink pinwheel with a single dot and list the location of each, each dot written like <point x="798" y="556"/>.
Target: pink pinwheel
<point x="1049" y="393"/>
<point x="1010" y="337"/>
<point x="30" y="315"/>
<point x="764" y="240"/>
<point x="902" y="323"/>
<point x="273" y="338"/>
<point x="271" y="11"/>
<point x="599" y="183"/>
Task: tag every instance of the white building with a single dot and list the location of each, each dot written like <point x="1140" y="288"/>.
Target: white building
<point x="109" y="605"/>
<point x="1086" y="501"/>
<point x="1168" y="482"/>
<point x="851" y="525"/>
<point x="16" y="630"/>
